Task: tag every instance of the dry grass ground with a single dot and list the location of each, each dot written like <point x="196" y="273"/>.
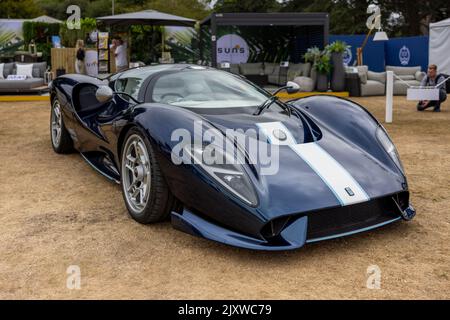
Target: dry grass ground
<point x="55" y="211"/>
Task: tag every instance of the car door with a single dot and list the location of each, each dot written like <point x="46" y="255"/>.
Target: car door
<point x="88" y="111"/>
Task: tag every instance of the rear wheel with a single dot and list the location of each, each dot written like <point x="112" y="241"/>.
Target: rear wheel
<point x="146" y="194"/>
<point x="61" y="140"/>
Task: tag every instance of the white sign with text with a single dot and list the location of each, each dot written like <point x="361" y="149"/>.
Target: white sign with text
<point x="91" y="62"/>
<point x="233" y="49"/>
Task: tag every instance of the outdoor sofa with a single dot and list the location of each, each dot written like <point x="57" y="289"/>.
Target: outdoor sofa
<point x="30" y="84"/>
<point x="371" y="83"/>
<point x="410" y="76"/>
<point x="374" y="83"/>
<point x="273" y="73"/>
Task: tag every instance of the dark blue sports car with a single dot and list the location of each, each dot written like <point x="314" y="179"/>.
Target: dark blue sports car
<point x="228" y="161"/>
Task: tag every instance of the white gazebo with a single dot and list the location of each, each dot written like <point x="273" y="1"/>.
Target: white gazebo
<point x="439" y="47"/>
<point x="46" y="19"/>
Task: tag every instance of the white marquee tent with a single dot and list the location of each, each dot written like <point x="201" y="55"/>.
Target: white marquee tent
<point x="440" y="45"/>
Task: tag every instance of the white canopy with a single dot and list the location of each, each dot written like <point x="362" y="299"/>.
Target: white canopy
<point x="150" y="17"/>
<point x="46" y="19"/>
<point x="440" y="45"/>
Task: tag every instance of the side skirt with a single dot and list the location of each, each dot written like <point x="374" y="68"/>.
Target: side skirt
<point x="97" y="162"/>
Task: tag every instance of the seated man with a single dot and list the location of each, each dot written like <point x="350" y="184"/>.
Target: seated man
<point x="430" y="80"/>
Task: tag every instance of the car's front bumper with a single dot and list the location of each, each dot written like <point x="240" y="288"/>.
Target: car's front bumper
<point x="304" y="228"/>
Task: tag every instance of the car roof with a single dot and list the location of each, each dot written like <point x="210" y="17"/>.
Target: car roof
<point x="173" y="67"/>
<point x="150" y="71"/>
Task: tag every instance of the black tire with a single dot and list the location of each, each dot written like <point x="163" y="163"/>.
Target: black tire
<point x="64" y="144"/>
<point x="160" y="201"/>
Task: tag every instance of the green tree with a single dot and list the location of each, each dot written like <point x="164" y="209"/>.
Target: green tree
<point x="247" y="6"/>
<point x="346" y="16"/>
<point x="399" y="17"/>
<point x="413" y="19"/>
<point x="19" y="9"/>
<point x="196" y="9"/>
<point x="57" y="8"/>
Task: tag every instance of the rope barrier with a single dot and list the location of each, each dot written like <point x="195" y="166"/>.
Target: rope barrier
<point x="390" y="75"/>
<point x="421" y="87"/>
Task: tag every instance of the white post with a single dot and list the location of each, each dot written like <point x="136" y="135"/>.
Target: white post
<point x="389" y="95"/>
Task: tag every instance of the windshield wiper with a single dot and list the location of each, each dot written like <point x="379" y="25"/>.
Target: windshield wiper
<point x="302" y="117"/>
<point x="266" y="104"/>
<point x="129" y="96"/>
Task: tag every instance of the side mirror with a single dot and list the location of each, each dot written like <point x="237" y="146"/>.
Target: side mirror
<point x="292" y="87"/>
<point x="104" y="94"/>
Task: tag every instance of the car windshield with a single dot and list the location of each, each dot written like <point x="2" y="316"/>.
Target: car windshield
<point x="206" y="89"/>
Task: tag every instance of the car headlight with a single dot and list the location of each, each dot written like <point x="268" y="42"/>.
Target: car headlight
<point x="225" y="169"/>
<point x="387" y="144"/>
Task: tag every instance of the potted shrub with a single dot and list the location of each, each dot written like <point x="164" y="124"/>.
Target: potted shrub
<point x="336" y="50"/>
<point x="323" y="67"/>
<point x="311" y="56"/>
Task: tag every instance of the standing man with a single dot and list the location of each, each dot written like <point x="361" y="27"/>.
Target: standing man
<point x="433" y="79"/>
<point x="120" y="54"/>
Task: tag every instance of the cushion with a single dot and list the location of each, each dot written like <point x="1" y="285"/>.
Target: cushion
<point x="401" y="88"/>
<point x="373" y="88"/>
<point x="8" y="69"/>
<point x="306" y="69"/>
<point x="251" y="68"/>
<point x="276" y="79"/>
<point x="351" y="69"/>
<point x="407" y="77"/>
<point x="362" y="72"/>
<point x="299" y="70"/>
<point x="419" y="75"/>
<point x="404" y="71"/>
<point x="6" y="85"/>
<point x="1" y="70"/>
<point x="39" y="69"/>
<point x="270" y="68"/>
<point x="16" y="77"/>
<point x="376" y="76"/>
<point x="306" y="84"/>
<point x="234" y="68"/>
<point x="293" y="72"/>
<point x="25" y="69"/>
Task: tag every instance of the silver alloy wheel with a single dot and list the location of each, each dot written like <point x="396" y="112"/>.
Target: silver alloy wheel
<point x="56" y="124"/>
<point x="136" y="173"/>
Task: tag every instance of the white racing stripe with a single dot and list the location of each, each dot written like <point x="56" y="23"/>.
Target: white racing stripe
<point x="346" y="189"/>
<point x="338" y="179"/>
<point x="268" y="128"/>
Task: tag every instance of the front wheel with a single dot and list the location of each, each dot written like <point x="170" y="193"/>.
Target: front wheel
<point x="146" y="194"/>
<point x="61" y="140"/>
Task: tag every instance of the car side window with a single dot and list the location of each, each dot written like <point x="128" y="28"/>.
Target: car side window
<point x="130" y="85"/>
<point x="130" y="81"/>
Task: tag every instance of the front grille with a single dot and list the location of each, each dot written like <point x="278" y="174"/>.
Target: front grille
<point x="329" y="222"/>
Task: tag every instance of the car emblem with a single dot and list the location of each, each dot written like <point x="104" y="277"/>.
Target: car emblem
<point x="279" y="134"/>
